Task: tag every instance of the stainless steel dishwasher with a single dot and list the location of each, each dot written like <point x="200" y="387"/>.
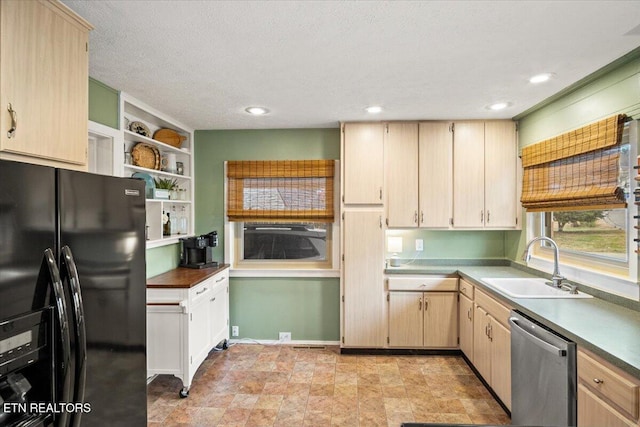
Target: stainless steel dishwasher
<point x="543" y="375"/>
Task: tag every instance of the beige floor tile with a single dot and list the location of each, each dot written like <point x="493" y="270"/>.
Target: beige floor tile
<point x="257" y="385"/>
<point x="262" y="417"/>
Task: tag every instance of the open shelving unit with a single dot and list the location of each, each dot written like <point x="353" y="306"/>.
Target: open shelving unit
<point x="134" y="110"/>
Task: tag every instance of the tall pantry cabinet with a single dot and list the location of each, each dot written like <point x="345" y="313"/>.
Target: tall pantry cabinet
<point x="362" y="286"/>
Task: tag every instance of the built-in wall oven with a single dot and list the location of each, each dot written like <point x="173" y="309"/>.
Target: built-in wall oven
<point x="543" y="375"/>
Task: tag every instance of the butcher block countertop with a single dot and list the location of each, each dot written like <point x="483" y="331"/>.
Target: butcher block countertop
<point x="183" y="277"/>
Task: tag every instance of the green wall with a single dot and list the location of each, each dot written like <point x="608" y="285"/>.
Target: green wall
<point x="456" y="244"/>
<point x="309" y="308"/>
<point x="104" y="103"/>
<point x="612" y="90"/>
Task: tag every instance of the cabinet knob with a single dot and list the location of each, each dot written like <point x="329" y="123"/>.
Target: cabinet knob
<point x="419" y="304"/>
<point x="598" y="381"/>
<point x="415" y="217"/>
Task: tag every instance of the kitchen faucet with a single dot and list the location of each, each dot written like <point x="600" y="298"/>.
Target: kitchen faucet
<point x="557" y="278"/>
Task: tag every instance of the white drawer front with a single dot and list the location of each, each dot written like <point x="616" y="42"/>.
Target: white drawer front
<point x="422" y="283"/>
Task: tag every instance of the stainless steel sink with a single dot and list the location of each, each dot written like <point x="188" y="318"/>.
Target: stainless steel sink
<point x="530" y="288"/>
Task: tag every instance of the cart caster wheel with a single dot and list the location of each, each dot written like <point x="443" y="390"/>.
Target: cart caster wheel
<point x="184" y="393"/>
<point x="225" y="344"/>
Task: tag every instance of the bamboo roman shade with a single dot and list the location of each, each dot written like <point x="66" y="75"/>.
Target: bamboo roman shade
<point x="280" y="190"/>
<point x="578" y="170"/>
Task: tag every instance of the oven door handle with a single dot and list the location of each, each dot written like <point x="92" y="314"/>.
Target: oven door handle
<point x="513" y="321"/>
<point x="70" y="275"/>
<point x="64" y="365"/>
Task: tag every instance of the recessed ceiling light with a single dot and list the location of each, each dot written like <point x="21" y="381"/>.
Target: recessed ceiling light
<point x="541" y="78"/>
<point x="498" y="106"/>
<point x="256" y="111"/>
<point x="374" y="109"/>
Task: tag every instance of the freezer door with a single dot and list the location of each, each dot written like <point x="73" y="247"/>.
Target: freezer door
<point x="27" y="229"/>
<point x="102" y="221"/>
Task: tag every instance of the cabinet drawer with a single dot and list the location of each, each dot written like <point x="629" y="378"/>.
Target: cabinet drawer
<point x="615" y="387"/>
<point x="498" y="310"/>
<point x="201" y="291"/>
<point x="466" y="288"/>
<point x="422" y="283"/>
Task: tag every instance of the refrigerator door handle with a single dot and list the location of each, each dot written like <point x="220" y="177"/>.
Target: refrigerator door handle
<point x="70" y="274"/>
<point x="65" y="344"/>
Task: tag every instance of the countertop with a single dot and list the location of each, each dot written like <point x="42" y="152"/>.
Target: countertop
<point x="607" y="329"/>
<point x="183" y="277"/>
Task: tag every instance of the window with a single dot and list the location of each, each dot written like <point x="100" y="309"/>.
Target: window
<point x="281" y="241"/>
<point x="281" y="214"/>
<point x="591" y="234"/>
<point x="578" y="191"/>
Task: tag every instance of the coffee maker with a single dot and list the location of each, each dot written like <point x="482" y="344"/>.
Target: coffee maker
<point x="197" y="252"/>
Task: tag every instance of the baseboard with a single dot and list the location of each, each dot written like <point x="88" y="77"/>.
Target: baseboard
<point x="293" y="343"/>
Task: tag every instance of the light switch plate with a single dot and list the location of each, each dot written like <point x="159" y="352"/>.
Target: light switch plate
<point x="419" y="245"/>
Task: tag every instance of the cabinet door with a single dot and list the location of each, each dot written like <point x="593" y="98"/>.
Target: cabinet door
<point x="500" y="160"/>
<point x="481" y="343"/>
<point x="405" y="319"/>
<point x="401" y="157"/>
<point x="468" y="174"/>
<point x="441" y="319"/>
<point x="466" y="326"/>
<point x="219" y="309"/>
<point x="435" y="182"/>
<point x="593" y="412"/>
<point x="199" y="325"/>
<point x="363" y="285"/>
<point x="44" y="76"/>
<point x="363" y="163"/>
<point x="500" y="339"/>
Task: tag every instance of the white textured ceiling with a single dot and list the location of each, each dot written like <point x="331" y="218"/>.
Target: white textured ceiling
<point x="315" y="63"/>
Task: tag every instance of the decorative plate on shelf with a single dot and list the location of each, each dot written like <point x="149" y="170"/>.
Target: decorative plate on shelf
<point x="169" y="137"/>
<point x="140" y="128"/>
<point x="146" y="156"/>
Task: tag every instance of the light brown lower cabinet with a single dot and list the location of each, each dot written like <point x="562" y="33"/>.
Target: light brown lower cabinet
<point x="423" y="319"/>
<point x="465" y="320"/>
<point x="492" y="344"/>
<point x="607" y="396"/>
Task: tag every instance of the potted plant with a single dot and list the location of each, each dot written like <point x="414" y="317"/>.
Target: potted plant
<point x="164" y="187"/>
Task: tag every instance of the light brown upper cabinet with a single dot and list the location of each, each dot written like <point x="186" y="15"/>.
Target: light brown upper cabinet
<point x="435" y="174"/>
<point x="419" y="174"/>
<point x="363" y="157"/>
<point x="485" y="175"/>
<point x="401" y="149"/>
<point x="43" y="82"/>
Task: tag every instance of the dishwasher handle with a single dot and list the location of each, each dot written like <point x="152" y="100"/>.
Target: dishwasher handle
<point x="513" y="321"/>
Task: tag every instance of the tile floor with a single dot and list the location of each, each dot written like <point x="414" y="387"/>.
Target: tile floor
<point x="263" y="385"/>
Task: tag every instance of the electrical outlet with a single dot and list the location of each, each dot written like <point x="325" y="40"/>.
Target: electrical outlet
<point x="235" y="331"/>
<point x="419" y="245"/>
<point x="285" y="336"/>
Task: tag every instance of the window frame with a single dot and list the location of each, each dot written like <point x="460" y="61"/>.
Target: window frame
<point x="233" y="241"/>
<point x="593" y="271"/>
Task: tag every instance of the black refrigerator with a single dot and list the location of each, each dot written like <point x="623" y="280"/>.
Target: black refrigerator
<point x="72" y="298"/>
